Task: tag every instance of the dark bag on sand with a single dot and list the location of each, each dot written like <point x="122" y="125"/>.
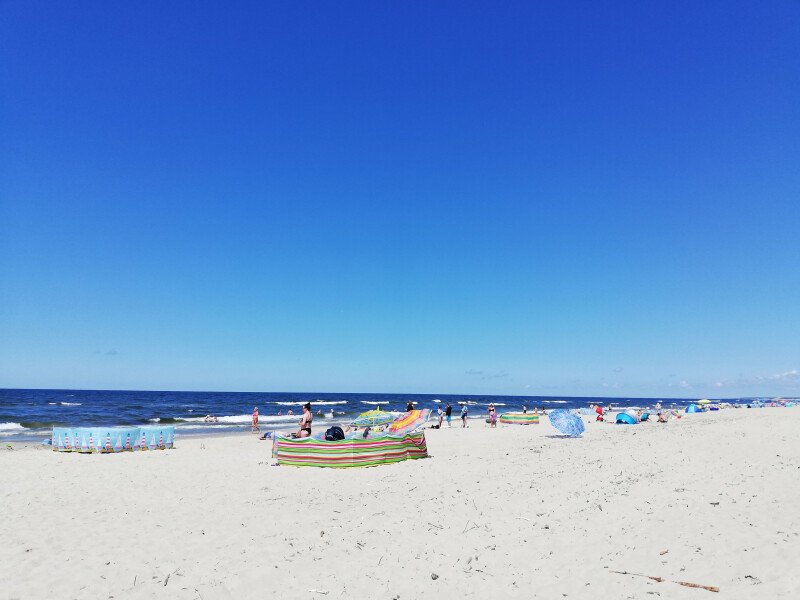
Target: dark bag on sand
<point x="334" y="433"/>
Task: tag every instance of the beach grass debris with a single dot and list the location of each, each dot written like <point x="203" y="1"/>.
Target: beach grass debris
<point x="710" y="588"/>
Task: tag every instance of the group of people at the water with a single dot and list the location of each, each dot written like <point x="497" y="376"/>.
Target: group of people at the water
<point x="445" y="414"/>
<point x="304" y="423"/>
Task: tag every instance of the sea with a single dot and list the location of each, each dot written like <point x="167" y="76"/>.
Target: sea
<point x="27" y="415"/>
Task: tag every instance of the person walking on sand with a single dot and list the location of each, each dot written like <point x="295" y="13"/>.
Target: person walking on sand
<point x="448" y="412"/>
<point x="255" y="419"/>
<point x="464" y="413"/>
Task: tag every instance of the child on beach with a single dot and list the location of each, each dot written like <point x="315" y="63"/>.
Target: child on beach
<point x="255" y="419"/>
<point x="492" y="416"/>
<point x="464" y="412"/>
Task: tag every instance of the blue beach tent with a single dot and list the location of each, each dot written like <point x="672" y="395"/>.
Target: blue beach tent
<point x="626" y="419"/>
<point x="693" y="408"/>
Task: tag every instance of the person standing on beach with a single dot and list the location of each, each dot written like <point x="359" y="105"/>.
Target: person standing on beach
<point x="492" y="416"/>
<point x="464" y="413"/>
<point x="448" y="412"/>
<point x="441" y="415"/>
<point x="409" y="406"/>
<point x="255" y="419"/>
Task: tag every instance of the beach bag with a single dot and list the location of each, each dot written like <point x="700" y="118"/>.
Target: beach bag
<point x="334" y="433"/>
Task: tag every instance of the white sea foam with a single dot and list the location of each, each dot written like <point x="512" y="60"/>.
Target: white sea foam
<point x="70" y="403"/>
<point x="8" y="427"/>
<point x="313" y="402"/>
<point x="373" y="403"/>
<point x="245" y="419"/>
<point x="554" y="401"/>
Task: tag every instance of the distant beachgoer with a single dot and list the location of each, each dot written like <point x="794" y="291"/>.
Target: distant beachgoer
<point x="211" y="419"/>
<point x="441" y="416"/>
<point x="305" y="422"/>
<point x="464" y="413"/>
<point x="291" y="412"/>
<point x="524" y="410"/>
<point x="409" y="406"/>
<point x="255" y="419"/>
<point x="448" y="412"/>
<point x="492" y="416"/>
<point x="599" y="410"/>
<point x="662" y="418"/>
<point x="280" y="413"/>
<point x="658" y="406"/>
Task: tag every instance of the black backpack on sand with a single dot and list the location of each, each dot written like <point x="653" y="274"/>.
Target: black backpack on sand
<point x="334" y="433"/>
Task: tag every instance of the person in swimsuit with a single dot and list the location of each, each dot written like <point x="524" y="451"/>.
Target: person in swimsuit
<point x="464" y="412"/>
<point x="448" y="412"/>
<point x="305" y="422"/>
<point x="492" y="416"/>
<point x="255" y="419"/>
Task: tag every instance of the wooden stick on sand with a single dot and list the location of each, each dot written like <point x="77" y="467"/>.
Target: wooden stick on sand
<point x="710" y="588"/>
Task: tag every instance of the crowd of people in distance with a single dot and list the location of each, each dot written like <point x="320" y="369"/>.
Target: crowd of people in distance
<point x="445" y="414"/>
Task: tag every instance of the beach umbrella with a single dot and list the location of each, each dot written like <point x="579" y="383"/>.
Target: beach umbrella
<point x="565" y="422"/>
<point x="373" y="418"/>
<point x="413" y="419"/>
<point x="704" y="401"/>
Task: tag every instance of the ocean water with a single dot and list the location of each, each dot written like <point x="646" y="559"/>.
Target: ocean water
<point x="29" y="414"/>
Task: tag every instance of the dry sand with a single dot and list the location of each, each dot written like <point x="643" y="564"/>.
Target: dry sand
<point x="507" y="513"/>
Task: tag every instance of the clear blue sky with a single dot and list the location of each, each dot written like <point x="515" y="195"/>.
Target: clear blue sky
<point x="560" y="199"/>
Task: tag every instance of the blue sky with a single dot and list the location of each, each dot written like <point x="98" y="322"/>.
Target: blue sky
<point x="556" y="199"/>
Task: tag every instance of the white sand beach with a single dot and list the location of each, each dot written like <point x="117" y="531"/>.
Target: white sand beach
<point x="711" y="499"/>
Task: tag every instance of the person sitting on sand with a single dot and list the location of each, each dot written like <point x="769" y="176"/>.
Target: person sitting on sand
<point x="662" y="418"/>
<point x="305" y="422"/>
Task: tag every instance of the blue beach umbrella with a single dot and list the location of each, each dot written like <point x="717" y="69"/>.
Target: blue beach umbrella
<point x="565" y="422"/>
